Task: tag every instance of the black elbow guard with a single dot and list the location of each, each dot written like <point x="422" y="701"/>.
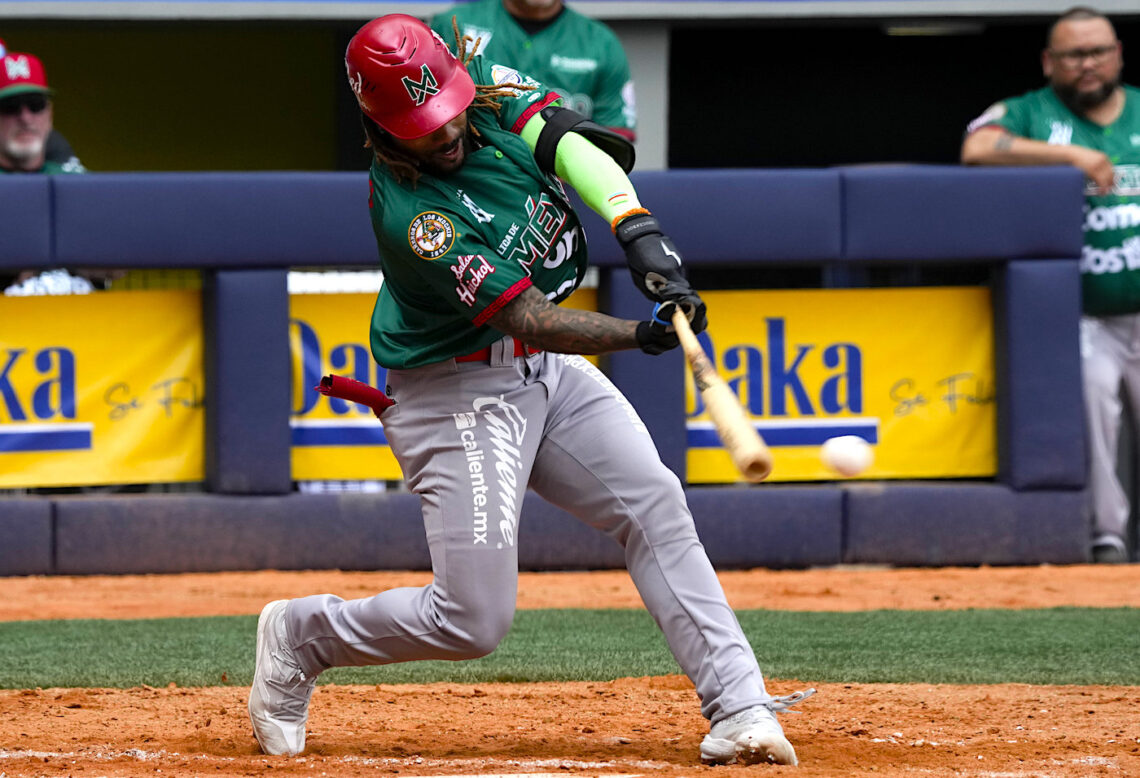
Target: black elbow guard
<point x="560" y="121"/>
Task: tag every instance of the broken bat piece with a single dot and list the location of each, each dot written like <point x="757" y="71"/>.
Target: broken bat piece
<point x="355" y="391"/>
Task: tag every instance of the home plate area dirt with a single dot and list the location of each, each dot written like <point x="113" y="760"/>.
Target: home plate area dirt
<point x="627" y="727"/>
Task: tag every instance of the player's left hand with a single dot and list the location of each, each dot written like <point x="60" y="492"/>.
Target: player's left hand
<point x="658" y="335"/>
<point x="654" y="261"/>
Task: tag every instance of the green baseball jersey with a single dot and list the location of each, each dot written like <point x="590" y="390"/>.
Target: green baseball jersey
<point x="1110" y="258"/>
<point x="580" y="57"/>
<point x="455" y="249"/>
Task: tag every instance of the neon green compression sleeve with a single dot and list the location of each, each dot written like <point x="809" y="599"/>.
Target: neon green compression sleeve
<point x="595" y="176"/>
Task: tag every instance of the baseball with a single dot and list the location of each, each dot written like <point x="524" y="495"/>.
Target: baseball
<point x="848" y="455"/>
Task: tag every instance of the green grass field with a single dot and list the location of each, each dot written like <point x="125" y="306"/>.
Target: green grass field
<point x="1052" y="646"/>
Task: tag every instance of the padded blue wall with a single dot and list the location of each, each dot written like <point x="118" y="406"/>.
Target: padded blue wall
<point x="27" y="536"/>
<point x="248" y="381"/>
<point x="739" y="527"/>
<point x="957" y="523"/>
<point x="209" y="533"/>
<point x="734" y="217"/>
<point x="912" y="213"/>
<point x="1041" y="424"/>
<point x="213" y="219"/>
<point x="26" y="222"/>
<point x="245" y="229"/>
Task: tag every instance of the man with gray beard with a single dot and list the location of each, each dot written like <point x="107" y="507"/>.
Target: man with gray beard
<point x="26" y="118"/>
<point x="1087" y="118"/>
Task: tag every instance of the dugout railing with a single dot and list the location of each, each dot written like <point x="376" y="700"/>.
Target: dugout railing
<point x="1020" y="229"/>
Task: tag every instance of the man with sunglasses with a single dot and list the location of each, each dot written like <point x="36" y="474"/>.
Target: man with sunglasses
<point x="26" y="119"/>
<point x="1087" y="118"/>
<point x="29" y="145"/>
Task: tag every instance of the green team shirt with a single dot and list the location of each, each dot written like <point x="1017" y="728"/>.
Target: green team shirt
<point x="578" y="56"/>
<point x="454" y="250"/>
<point x="51" y="168"/>
<point x="1110" y="258"/>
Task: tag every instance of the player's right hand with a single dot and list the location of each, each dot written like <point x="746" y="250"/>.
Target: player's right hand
<point x="689" y="301"/>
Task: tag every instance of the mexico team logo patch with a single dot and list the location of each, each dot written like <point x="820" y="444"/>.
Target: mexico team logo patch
<point x="431" y="235"/>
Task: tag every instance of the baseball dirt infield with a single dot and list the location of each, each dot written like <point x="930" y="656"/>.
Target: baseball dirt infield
<point x="638" y="726"/>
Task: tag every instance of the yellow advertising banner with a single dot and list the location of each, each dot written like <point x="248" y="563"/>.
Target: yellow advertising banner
<point x="334" y="439"/>
<point x="101" y="389"/>
<point x="910" y="370"/>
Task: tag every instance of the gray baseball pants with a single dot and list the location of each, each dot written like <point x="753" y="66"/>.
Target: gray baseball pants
<point x="470" y="438"/>
<point x="1110" y="356"/>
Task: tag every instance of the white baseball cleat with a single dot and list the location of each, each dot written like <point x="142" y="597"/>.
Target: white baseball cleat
<point x="752" y="736"/>
<point x="279" y="697"/>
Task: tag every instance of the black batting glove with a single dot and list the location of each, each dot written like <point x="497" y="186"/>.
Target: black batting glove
<point x="689" y="301"/>
<point x="653" y="260"/>
<point x="655" y="265"/>
<point x="657" y="335"/>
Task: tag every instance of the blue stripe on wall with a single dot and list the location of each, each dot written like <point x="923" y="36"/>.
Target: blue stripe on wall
<point x="67" y="439"/>
<point x="345" y="435"/>
<point x="790" y="435"/>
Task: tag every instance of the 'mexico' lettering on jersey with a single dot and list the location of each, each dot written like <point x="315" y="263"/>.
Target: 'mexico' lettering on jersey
<point x="546" y="223"/>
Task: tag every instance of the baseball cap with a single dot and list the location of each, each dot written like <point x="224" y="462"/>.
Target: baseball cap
<point x="21" y="74"/>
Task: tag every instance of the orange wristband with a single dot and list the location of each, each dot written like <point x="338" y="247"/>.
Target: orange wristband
<point x="622" y="217"/>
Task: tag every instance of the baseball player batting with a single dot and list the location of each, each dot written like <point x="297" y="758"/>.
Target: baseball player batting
<point x="478" y="245"/>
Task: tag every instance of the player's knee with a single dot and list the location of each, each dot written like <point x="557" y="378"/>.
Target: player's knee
<point x="477" y="634"/>
<point x="478" y="643"/>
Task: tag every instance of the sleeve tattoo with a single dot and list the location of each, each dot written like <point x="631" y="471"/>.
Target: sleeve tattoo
<point x="1004" y="141"/>
<point x="533" y="319"/>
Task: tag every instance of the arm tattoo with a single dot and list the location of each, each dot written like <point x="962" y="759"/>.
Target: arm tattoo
<point x="1004" y="141"/>
<point x="533" y="319"/>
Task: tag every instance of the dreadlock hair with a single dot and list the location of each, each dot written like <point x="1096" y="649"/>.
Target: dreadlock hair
<point x="386" y="153"/>
<point x="487" y="97"/>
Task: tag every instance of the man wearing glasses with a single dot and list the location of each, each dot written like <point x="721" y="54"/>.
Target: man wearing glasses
<point x="1087" y="118"/>
<point x="26" y="118"/>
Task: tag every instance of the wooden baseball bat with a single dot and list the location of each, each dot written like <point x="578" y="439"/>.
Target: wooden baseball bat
<point x="750" y="454"/>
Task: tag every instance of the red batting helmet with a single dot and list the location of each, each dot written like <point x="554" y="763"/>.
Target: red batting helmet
<point x="405" y="78"/>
